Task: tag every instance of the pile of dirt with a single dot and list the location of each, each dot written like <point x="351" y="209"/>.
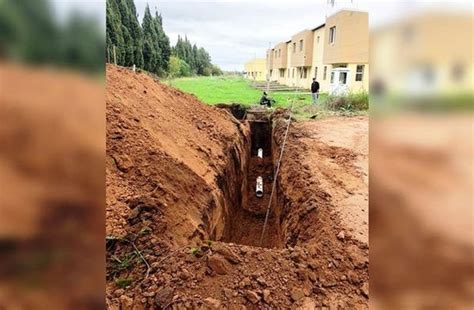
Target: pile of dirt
<point x="177" y="175"/>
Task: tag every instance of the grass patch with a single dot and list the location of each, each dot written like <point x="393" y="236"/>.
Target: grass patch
<point x="234" y="89"/>
<point x="123" y="283"/>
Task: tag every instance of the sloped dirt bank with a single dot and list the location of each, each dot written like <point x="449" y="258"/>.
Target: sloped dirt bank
<point x="183" y="221"/>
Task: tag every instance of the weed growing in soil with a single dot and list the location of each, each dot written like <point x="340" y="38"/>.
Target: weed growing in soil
<point x="123" y="263"/>
<point x="123" y="283"/>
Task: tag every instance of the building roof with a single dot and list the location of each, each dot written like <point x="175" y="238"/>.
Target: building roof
<point x="319" y="27"/>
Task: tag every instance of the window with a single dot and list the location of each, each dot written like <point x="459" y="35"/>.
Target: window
<point x="288" y="72"/>
<point x="325" y="72"/>
<point x="282" y="73"/>
<point x="332" y="34"/>
<point x="305" y="73"/>
<point x="343" y="78"/>
<point x="359" y="73"/>
<point x="332" y="77"/>
<point x="294" y="47"/>
<point x="317" y="39"/>
<point x="293" y="72"/>
<point x="301" y="45"/>
<point x="315" y="72"/>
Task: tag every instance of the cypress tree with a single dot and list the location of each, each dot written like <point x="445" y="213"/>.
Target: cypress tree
<point x="114" y="31"/>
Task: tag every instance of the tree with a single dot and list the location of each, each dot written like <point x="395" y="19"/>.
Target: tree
<point x="163" y="44"/>
<point x="215" y="70"/>
<point x="114" y="31"/>
<point x="151" y="52"/>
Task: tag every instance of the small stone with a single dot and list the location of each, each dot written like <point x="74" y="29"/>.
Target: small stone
<point x="218" y="264"/>
<point x="252" y="296"/>
<point x="262" y="281"/>
<point x="212" y="303"/>
<point x="164" y="297"/>
<point x="119" y="292"/>
<point x="297" y="294"/>
<point x="227" y="253"/>
<point x="266" y="296"/>
<point x="245" y="282"/>
<point x="365" y="289"/>
<point x="123" y="162"/>
<point x="308" y="304"/>
<point x="341" y="235"/>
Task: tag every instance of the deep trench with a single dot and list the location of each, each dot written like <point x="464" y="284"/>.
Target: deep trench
<point x="241" y="217"/>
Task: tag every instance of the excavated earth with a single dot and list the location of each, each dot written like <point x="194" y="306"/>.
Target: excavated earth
<point x="184" y="224"/>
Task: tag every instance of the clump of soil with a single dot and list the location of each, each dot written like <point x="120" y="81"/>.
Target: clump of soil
<point x="184" y="223"/>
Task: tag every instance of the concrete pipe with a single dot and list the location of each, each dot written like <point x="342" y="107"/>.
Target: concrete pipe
<point x="259" y="189"/>
<point x="260" y="153"/>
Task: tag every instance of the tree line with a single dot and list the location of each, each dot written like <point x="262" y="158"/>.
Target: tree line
<point x="30" y="32"/>
<point x="147" y="46"/>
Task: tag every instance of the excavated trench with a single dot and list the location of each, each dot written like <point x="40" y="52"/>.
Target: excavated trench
<point x="239" y="216"/>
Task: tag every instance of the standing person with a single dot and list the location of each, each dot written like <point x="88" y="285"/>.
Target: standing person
<point x="315" y="90"/>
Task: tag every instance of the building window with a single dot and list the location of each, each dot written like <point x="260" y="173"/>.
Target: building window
<point x="282" y="73"/>
<point x="305" y="73"/>
<point x="288" y="73"/>
<point x="317" y="39"/>
<point x="332" y="34"/>
<point x="294" y="47"/>
<point x="315" y="72"/>
<point x="325" y="72"/>
<point x="332" y="77"/>
<point x="293" y="72"/>
<point x="301" y="45"/>
<point x="359" y="73"/>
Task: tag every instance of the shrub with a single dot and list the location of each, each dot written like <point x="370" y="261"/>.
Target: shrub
<point x="351" y="102"/>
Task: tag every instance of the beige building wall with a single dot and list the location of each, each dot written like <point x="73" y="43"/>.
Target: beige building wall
<point x="280" y="62"/>
<point x="425" y="54"/>
<point x="318" y="66"/>
<point x="351" y="40"/>
<point x="255" y="69"/>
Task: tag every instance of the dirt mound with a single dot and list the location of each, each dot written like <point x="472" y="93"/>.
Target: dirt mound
<point x="181" y="179"/>
<point x="164" y="149"/>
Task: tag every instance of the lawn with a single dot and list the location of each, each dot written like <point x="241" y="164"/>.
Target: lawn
<point x="233" y="89"/>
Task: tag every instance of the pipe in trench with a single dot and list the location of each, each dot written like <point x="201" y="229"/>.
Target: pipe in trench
<point x="259" y="187"/>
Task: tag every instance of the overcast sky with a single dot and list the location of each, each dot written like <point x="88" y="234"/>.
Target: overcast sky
<point x="234" y="31"/>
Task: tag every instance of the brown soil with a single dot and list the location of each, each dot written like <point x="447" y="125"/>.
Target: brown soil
<point x="52" y="186"/>
<point x="181" y="189"/>
<point x="421" y="211"/>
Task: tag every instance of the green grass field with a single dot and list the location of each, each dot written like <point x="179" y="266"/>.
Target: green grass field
<point x="231" y="89"/>
<point x="234" y="89"/>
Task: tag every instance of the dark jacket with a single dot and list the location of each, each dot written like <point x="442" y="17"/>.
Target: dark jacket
<point x="315" y="87"/>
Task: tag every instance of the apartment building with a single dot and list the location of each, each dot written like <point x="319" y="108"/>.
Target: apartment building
<point x="335" y="53"/>
<point x="424" y="54"/>
<point x="256" y="69"/>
